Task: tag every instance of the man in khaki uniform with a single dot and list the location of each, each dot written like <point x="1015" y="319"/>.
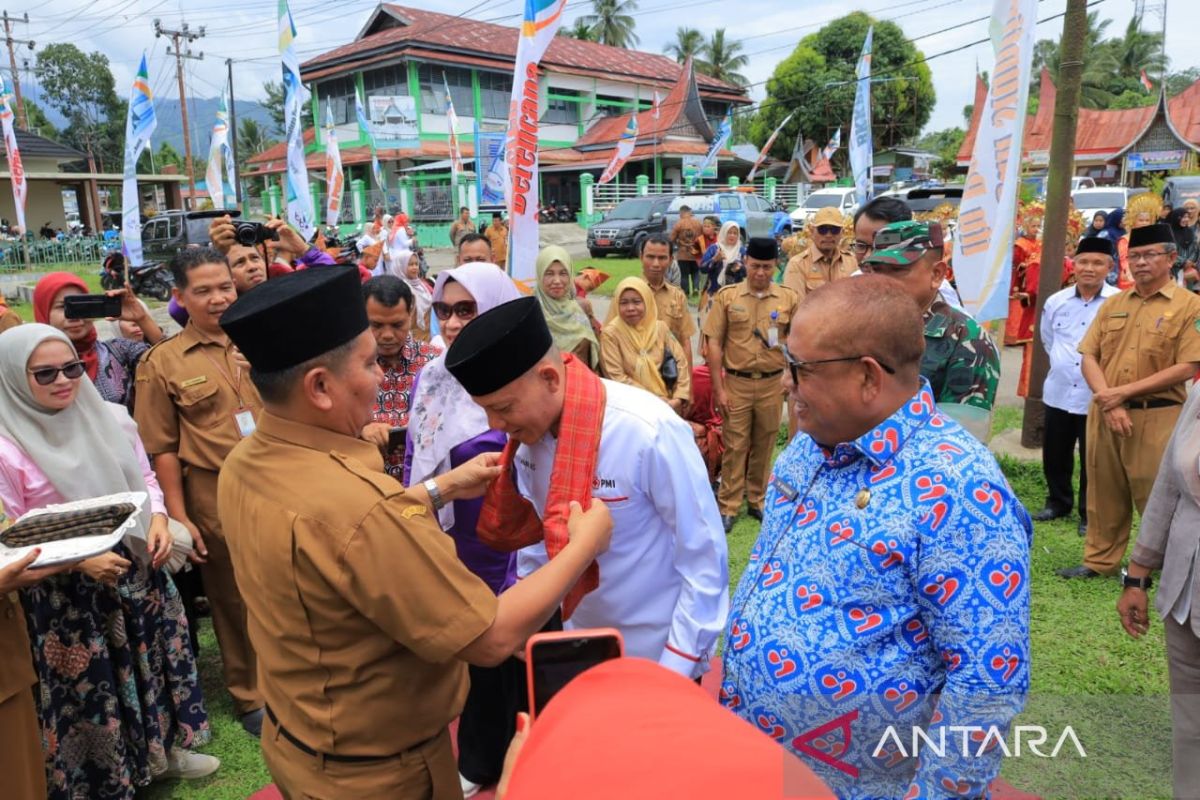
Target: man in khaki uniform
<point x="193" y="405"/>
<point x="1139" y="356"/>
<point x="744" y="333"/>
<point x="823" y="260"/>
<point x="671" y="302"/>
<point x="361" y="612"/>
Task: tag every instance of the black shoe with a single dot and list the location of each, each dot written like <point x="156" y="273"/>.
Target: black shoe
<point x="253" y="722"/>
<point x="1079" y="572"/>
<point x="1047" y="514"/>
<point x="1083" y="527"/>
<point x="727" y="522"/>
<point x="756" y="513"/>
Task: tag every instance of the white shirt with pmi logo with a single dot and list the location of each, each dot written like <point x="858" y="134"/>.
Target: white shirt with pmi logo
<point x="1066" y="317"/>
<point x="664" y="582"/>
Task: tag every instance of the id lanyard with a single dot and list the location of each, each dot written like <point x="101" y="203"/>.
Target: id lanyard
<point x="243" y="417"/>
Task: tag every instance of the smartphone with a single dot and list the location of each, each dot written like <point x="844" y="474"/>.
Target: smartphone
<point x="396" y="438"/>
<point x="552" y="660"/>
<point x="91" y="306"/>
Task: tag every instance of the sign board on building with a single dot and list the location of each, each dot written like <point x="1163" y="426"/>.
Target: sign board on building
<point x="489" y="163"/>
<point x="1154" y="160"/>
<point x="691" y="168"/>
<point x="1039" y="158"/>
<point x="394" y="121"/>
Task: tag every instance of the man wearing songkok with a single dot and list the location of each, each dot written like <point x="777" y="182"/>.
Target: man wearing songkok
<point x="743" y="332"/>
<point x="961" y="361"/>
<point x="576" y="437"/>
<point x="889" y="587"/>
<point x="362" y="615"/>
<point x="1139" y="356"/>
<point x="1065" y="319"/>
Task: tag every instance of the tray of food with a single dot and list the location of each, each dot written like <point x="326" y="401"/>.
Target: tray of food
<point x="72" y="531"/>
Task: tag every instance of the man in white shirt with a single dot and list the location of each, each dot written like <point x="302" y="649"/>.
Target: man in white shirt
<point x="1065" y="319"/>
<point x="664" y="581"/>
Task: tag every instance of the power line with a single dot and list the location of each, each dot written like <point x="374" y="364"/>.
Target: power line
<point x="183" y="38"/>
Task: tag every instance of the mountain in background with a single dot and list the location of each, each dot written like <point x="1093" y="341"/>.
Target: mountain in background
<point x="202" y="112"/>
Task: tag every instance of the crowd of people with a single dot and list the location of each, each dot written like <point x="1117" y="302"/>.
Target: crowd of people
<point x="470" y="461"/>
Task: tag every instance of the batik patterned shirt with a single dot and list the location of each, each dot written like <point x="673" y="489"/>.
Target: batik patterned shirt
<point x="395" y="393"/>
<point x="888" y="589"/>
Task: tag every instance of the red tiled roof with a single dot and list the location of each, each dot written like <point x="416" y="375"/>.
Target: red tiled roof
<point x="968" y="145"/>
<point x="463" y="36"/>
<point x="608" y="130"/>
<point x="1099" y="132"/>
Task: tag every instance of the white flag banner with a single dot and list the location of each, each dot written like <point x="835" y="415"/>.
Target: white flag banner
<point x="139" y="124"/>
<point x="624" y="149"/>
<point x="333" y="171"/>
<point x="766" y="148"/>
<point x="218" y="185"/>
<point x="12" y="154"/>
<point x="299" y="201"/>
<point x="983" y="243"/>
<point x="724" y="130"/>
<point x="862" y="153"/>
<point x="541" y="22"/>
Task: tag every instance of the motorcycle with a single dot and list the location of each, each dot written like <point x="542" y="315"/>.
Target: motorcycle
<point x="151" y="279"/>
<point x="546" y="214"/>
<point x="564" y="214"/>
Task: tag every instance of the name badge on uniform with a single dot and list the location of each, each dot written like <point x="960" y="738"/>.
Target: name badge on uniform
<point x="244" y="419"/>
<point x="194" y="381"/>
<point x="786" y="492"/>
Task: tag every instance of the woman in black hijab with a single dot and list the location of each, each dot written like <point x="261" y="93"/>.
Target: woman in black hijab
<point x="1187" y="248"/>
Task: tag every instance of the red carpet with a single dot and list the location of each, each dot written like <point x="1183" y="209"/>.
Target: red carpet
<point x="1001" y="789"/>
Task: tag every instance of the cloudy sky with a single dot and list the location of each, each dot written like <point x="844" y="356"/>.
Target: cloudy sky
<point x="245" y="31"/>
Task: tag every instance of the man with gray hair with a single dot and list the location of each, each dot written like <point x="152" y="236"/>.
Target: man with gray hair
<point x="1138" y="357"/>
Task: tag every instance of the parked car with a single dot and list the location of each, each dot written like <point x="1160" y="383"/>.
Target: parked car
<point x="165" y="234"/>
<point x="922" y="199"/>
<point x="1106" y="198"/>
<point x="623" y="229"/>
<point x="754" y="214"/>
<point x="843" y="198"/>
<point x="1078" y="183"/>
<point x="1180" y="189"/>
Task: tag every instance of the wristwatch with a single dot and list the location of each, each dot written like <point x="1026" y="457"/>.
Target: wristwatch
<point x="1129" y="582"/>
<point x="435" y="494"/>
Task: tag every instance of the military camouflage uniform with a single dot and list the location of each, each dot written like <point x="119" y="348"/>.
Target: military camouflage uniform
<point x="961" y="361"/>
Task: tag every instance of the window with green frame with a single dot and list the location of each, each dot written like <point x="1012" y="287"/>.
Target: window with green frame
<point x="434" y="78"/>
<point x="495" y="92"/>
<point x="562" y="107"/>
<point x="613" y="106"/>
<point x="337" y="94"/>
<point x="390" y="81"/>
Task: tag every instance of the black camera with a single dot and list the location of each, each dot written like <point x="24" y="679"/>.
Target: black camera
<point x="249" y="234"/>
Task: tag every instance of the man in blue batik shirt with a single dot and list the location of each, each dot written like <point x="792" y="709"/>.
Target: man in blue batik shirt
<point x="889" y="588"/>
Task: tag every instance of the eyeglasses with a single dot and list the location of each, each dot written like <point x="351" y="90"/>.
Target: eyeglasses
<point x="464" y="310"/>
<point x="829" y="230"/>
<point x="48" y="375"/>
<point x="862" y="248"/>
<point x="795" y="366"/>
<point x="1134" y="258"/>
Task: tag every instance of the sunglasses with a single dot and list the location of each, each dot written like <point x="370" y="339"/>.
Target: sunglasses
<point x="795" y="366"/>
<point x="464" y="310"/>
<point x="829" y="230"/>
<point x="48" y="375"/>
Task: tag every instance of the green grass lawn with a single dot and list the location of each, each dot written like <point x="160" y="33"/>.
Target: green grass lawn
<point x="618" y="268"/>
<point x="1086" y="673"/>
<point x="91" y="276"/>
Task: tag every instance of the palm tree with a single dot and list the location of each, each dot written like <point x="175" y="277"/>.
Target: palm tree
<point x="612" y="22"/>
<point x="1098" y="63"/>
<point x="252" y="139"/>
<point x="720" y="59"/>
<point x="1139" y="50"/>
<point x="688" y="43"/>
<point x="580" y="29"/>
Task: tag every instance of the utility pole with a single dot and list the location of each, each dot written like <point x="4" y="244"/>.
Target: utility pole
<point x="22" y="120"/>
<point x="1058" y="195"/>
<point x="182" y="39"/>
<point x="237" y="177"/>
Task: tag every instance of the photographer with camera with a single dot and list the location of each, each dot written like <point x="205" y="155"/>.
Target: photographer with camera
<point x="290" y="251"/>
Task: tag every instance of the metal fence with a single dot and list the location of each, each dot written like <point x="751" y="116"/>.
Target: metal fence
<point x="42" y="252"/>
<point x="608" y="195"/>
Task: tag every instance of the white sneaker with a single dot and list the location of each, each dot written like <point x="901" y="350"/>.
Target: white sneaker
<point x="469" y="789"/>
<point x="188" y="765"/>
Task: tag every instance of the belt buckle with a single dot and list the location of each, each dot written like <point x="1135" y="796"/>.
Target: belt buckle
<point x="755" y="376"/>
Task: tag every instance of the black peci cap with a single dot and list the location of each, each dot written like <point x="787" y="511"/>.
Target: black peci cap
<point x="288" y="320"/>
<point x="499" y="346"/>
<point x="1151" y="234"/>
<point x="1095" y="244"/>
<point x="762" y="248"/>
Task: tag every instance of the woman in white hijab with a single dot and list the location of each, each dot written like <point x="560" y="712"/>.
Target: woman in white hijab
<point x="446" y="428"/>
<point x="118" y="694"/>
<point x="408" y="269"/>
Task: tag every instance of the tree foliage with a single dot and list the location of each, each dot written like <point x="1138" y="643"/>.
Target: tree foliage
<point x="39" y="123"/>
<point x="721" y="58"/>
<point x="612" y="22"/>
<point x="81" y="87"/>
<point x="688" y="44"/>
<point x="579" y="29"/>
<point x="817" y="83"/>
<point x="946" y="144"/>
